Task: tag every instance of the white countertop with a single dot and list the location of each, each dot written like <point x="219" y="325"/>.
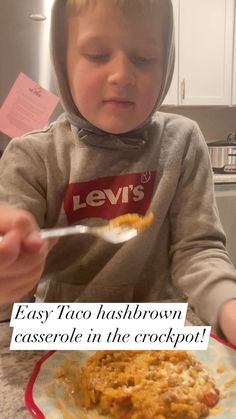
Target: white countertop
<point x="230" y="178"/>
<point x="15" y="370"/>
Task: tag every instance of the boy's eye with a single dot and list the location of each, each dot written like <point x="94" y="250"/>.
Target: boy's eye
<point x="138" y="59"/>
<point x="97" y="57"/>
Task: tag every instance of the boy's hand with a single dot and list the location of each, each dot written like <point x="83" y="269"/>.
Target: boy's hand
<point x="22" y="253"/>
<point x="227" y="320"/>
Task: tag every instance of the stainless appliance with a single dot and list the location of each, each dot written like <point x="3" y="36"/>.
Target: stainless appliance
<point x="223" y="155"/>
<point x="24" y="46"/>
<point x="226" y="201"/>
<point x="223" y="161"/>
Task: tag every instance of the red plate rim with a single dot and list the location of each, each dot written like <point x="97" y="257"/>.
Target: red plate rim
<point x="29" y="401"/>
<point x="230" y="345"/>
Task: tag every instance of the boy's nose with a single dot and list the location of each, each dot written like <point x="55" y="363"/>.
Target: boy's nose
<point x="121" y="72"/>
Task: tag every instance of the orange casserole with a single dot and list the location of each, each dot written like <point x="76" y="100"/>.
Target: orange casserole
<point x="133" y="220"/>
<point x="143" y="385"/>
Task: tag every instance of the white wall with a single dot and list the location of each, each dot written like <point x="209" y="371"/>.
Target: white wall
<point x="216" y="122"/>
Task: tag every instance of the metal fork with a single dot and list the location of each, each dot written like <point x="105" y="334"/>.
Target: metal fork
<point x="118" y="230"/>
<point x="112" y="234"/>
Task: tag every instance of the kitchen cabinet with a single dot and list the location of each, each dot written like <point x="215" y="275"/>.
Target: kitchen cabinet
<point x="173" y="93"/>
<point x="206" y="51"/>
<point x="204" y="58"/>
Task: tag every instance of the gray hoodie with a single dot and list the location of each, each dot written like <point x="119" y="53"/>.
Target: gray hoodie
<point x="71" y="172"/>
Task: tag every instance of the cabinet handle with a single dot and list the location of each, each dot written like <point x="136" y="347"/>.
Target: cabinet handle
<point x="183" y="90"/>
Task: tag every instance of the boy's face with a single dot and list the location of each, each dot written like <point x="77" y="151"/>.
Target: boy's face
<point x="114" y="66"/>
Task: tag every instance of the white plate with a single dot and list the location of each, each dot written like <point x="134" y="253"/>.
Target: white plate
<point x="42" y="404"/>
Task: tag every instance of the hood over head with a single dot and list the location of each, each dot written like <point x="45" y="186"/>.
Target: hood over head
<point x="58" y="53"/>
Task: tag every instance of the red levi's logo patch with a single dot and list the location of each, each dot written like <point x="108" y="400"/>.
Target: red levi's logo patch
<point x="109" y="197"/>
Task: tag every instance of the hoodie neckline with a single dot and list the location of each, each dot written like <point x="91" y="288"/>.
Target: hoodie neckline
<point x="91" y="135"/>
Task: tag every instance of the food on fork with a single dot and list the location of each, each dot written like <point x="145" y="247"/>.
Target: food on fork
<point x="133" y="220"/>
<point x="142" y="385"/>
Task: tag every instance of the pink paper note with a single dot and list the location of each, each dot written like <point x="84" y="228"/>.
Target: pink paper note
<point x="27" y="107"/>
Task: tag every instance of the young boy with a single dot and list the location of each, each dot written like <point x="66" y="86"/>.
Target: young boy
<point x="111" y="154"/>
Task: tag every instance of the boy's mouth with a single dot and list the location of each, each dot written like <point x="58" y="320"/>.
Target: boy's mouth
<point x="119" y="102"/>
